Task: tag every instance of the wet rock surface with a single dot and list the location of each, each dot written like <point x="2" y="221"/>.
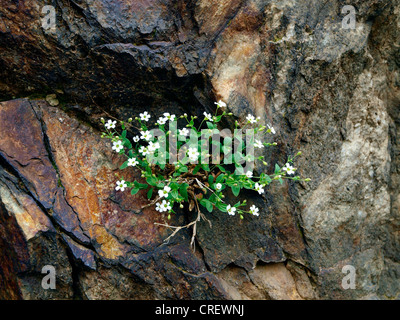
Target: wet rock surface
<point x="330" y="92"/>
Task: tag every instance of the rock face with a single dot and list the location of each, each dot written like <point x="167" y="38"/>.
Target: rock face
<point x="331" y="92"/>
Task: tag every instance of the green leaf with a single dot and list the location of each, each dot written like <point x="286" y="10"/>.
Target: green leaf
<point x="220" y="178"/>
<point x="124" y="134"/>
<point x="213" y="198"/>
<point x="221" y="206"/>
<point x="196" y="169"/>
<point x="205" y="167"/>
<point x="210" y="125"/>
<point x="152" y="181"/>
<point x="183" y="169"/>
<point x="230" y="182"/>
<point x="277" y="168"/>
<point x="175" y="194"/>
<point x="264" y="178"/>
<point x="207" y="204"/>
<point x="147" y="167"/>
<point x="160" y="185"/>
<point x="134" y="191"/>
<point x="124" y="165"/>
<point x="210" y="179"/>
<point x="127" y="143"/>
<point x="239" y="170"/>
<point x="221" y="168"/>
<point x="218" y="118"/>
<point x="140" y="186"/>
<point x="175" y="186"/>
<point x="183" y="191"/>
<point x="235" y="190"/>
<point x="248" y="184"/>
<point x="203" y="202"/>
<point x="150" y="193"/>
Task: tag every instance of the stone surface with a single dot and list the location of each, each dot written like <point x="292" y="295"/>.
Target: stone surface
<point x="330" y="92"/>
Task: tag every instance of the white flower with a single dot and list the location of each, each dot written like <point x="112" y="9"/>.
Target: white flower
<point x="271" y="129"/>
<point x="132" y="162"/>
<point x="163" y="206"/>
<point x="161" y="121"/>
<point x="144" y="116"/>
<point x="166" y="206"/>
<point x="146" y="135"/>
<point x="117" y="146"/>
<point x="170" y="117"/>
<point x="259" y="144"/>
<point x="207" y="116"/>
<point x="164" y="193"/>
<point x="158" y="207"/>
<point x="183" y="132"/>
<point x="250" y="118"/>
<point x="220" y="104"/>
<point x="121" y="185"/>
<point x="254" y="210"/>
<point x="259" y="188"/>
<point x="193" y="154"/>
<point x="289" y="169"/>
<point x="144" y="150"/>
<point x="153" y="146"/>
<point x="136" y="139"/>
<point x="218" y="186"/>
<point x="110" y="124"/>
<point x="231" y="210"/>
<point x="249" y="174"/>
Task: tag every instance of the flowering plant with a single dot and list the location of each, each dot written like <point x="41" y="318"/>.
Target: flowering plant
<point x="175" y="164"/>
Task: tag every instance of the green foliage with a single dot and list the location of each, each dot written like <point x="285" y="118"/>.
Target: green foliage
<point x="188" y="180"/>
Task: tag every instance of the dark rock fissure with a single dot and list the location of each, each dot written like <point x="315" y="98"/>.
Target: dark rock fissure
<point x="4" y="164"/>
